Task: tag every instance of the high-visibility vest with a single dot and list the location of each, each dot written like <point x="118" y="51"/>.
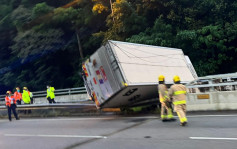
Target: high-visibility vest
<point x="52" y="96"/>
<point x="30" y="94"/>
<point x="10" y="100"/>
<point x="26" y="96"/>
<point x="17" y="96"/>
<point x="50" y="92"/>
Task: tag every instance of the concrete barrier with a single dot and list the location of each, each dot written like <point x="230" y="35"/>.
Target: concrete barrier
<point x="63" y="99"/>
<point x="225" y="100"/>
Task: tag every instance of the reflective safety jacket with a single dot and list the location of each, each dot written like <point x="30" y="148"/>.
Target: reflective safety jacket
<point x="50" y="92"/>
<point x="30" y="94"/>
<point x="163" y="93"/>
<point x="25" y="96"/>
<point x="178" y="93"/>
<point x="18" y="96"/>
<point x="10" y="100"/>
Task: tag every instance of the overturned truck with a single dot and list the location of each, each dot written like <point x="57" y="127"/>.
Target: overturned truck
<point x="122" y="74"/>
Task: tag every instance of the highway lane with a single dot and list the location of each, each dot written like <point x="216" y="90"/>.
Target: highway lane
<point x="117" y="132"/>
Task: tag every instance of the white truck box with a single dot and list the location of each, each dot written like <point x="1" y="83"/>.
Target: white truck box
<point x="126" y="74"/>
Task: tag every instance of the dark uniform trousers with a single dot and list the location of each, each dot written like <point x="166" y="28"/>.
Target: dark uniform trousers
<point x="18" y="102"/>
<point x="51" y="100"/>
<point x="11" y="109"/>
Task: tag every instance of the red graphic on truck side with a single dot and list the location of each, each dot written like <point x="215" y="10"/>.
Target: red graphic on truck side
<point x="99" y="77"/>
<point x="103" y="73"/>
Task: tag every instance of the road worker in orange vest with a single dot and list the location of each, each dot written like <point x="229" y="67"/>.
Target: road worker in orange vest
<point x="11" y="105"/>
<point x="18" y="96"/>
<point x="166" y="110"/>
<point x="178" y="92"/>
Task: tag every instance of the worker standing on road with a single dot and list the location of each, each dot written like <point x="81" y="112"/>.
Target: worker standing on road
<point x="50" y="94"/>
<point x="178" y="93"/>
<point x="11" y="105"/>
<point x="166" y="111"/>
<point x="18" y="96"/>
<point x="31" y="96"/>
<point x="26" y="98"/>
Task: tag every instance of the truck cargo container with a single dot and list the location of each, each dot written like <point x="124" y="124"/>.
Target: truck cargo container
<point x="122" y="74"/>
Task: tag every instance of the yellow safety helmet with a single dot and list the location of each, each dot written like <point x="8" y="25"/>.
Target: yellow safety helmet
<point x="161" y="78"/>
<point x="24" y="88"/>
<point x="176" y="78"/>
<point x="9" y="92"/>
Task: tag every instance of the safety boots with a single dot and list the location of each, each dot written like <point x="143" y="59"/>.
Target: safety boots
<point x="183" y="124"/>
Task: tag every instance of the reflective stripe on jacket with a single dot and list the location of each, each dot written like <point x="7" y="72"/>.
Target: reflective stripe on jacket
<point x="163" y="93"/>
<point x="30" y="94"/>
<point x="178" y="93"/>
<point x="10" y="100"/>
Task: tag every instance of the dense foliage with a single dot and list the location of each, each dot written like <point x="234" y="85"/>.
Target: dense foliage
<point x="38" y="39"/>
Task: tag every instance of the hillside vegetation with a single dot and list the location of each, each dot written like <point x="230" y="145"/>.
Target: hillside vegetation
<point x="38" y="39"/>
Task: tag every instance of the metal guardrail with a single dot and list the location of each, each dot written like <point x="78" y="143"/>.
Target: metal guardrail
<point x="57" y="92"/>
<point x="217" y="87"/>
<point x="212" y="85"/>
<point x="57" y="105"/>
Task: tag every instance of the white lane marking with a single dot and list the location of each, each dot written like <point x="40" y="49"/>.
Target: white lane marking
<point x="148" y="117"/>
<point x="212" y="115"/>
<point x="54" y="136"/>
<point x="154" y="117"/>
<point x="68" y="119"/>
<point x="83" y="119"/>
<point x="211" y="138"/>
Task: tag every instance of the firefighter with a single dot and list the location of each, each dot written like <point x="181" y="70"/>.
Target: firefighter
<point x="178" y="93"/>
<point x="166" y="111"/>
<point x="18" y="96"/>
<point x="50" y="94"/>
<point x="11" y="105"/>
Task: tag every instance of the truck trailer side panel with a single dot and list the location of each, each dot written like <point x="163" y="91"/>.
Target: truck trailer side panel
<point x="125" y="74"/>
<point x="143" y="63"/>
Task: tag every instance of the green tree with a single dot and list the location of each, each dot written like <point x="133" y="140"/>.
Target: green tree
<point x="123" y="22"/>
<point x="33" y="43"/>
<point x="160" y="34"/>
<point x="40" y="9"/>
<point x="20" y="16"/>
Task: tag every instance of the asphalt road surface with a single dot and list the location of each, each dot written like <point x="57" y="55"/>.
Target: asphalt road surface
<point x="205" y="131"/>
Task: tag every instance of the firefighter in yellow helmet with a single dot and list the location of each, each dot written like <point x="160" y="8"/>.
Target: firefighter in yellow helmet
<point x="166" y="110"/>
<point x="178" y="93"/>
